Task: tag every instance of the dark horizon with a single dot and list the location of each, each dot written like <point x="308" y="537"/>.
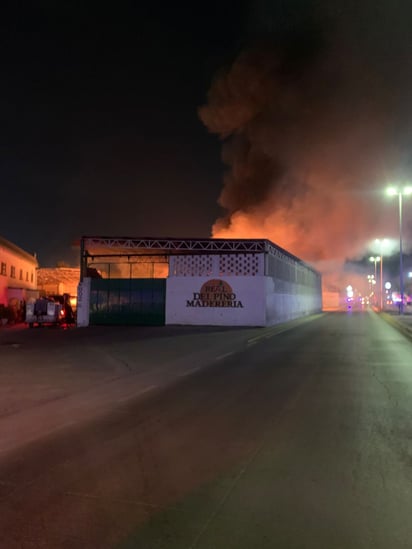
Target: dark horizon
<point x="102" y="132"/>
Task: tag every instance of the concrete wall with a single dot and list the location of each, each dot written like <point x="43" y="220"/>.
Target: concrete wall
<point x="258" y="301"/>
<point x="292" y="288"/>
<point x="286" y="300"/>
<point x="279" y="289"/>
<point x="226" y="301"/>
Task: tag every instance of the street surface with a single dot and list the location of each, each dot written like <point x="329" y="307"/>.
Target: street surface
<point x="295" y="437"/>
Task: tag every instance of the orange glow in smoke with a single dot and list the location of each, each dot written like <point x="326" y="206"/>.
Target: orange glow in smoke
<point x="320" y="237"/>
<point x="303" y="170"/>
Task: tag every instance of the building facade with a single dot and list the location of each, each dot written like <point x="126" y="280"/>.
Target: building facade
<point x="18" y="278"/>
<point x="194" y="282"/>
<point x="58" y="280"/>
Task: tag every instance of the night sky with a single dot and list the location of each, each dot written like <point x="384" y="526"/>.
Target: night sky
<point x="101" y="131"/>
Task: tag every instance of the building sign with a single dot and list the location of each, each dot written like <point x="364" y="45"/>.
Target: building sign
<point x="215" y="293"/>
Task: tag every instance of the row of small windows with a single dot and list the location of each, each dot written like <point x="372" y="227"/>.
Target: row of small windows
<point x="3" y="271"/>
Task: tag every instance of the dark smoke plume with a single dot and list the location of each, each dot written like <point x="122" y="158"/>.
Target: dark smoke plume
<point x="312" y="127"/>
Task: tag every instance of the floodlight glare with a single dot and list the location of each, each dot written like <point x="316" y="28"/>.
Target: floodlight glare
<point x="391" y="191"/>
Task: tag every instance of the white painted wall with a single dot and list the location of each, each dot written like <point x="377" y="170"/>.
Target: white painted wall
<point x="291" y="302"/>
<point x="264" y="304"/>
<point x="249" y="290"/>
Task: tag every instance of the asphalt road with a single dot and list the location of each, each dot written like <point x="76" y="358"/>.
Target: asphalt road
<point x="300" y="440"/>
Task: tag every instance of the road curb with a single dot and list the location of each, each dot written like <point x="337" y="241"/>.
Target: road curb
<point x="399" y="325"/>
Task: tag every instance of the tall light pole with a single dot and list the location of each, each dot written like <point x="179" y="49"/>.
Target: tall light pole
<point x="381" y="243"/>
<point x="375" y="260"/>
<point x="395" y="191"/>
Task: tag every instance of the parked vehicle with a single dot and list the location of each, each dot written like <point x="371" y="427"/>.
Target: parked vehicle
<point x="51" y="310"/>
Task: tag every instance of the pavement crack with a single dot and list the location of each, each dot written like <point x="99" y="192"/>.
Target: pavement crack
<point x="225" y="496"/>
<point x="128" y="501"/>
<point x="383" y="480"/>
<point x="382" y="383"/>
<point x="125" y="363"/>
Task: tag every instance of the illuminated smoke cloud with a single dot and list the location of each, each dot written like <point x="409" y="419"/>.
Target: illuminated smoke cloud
<point x="308" y="139"/>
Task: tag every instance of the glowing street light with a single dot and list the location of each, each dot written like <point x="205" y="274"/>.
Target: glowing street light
<point x="395" y="191"/>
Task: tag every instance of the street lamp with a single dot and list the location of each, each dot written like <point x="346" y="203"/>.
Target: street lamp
<point x="395" y="191"/>
<point x="377" y="260"/>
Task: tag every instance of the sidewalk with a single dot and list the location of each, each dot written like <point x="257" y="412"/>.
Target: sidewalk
<point x="403" y="322"/>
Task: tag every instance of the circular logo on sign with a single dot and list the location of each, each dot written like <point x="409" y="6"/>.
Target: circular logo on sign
<point x="215" y="293"/>
<point x="216" y="287"/>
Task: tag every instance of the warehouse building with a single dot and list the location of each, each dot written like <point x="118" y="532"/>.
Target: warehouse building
<point x="217" y="282"/>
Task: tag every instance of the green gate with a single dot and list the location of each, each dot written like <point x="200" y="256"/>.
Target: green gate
<point x="128" y="301"/>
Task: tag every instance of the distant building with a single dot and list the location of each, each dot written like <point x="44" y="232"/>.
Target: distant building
<point x="18" y="280"/>
<point x="58" y="280"/>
